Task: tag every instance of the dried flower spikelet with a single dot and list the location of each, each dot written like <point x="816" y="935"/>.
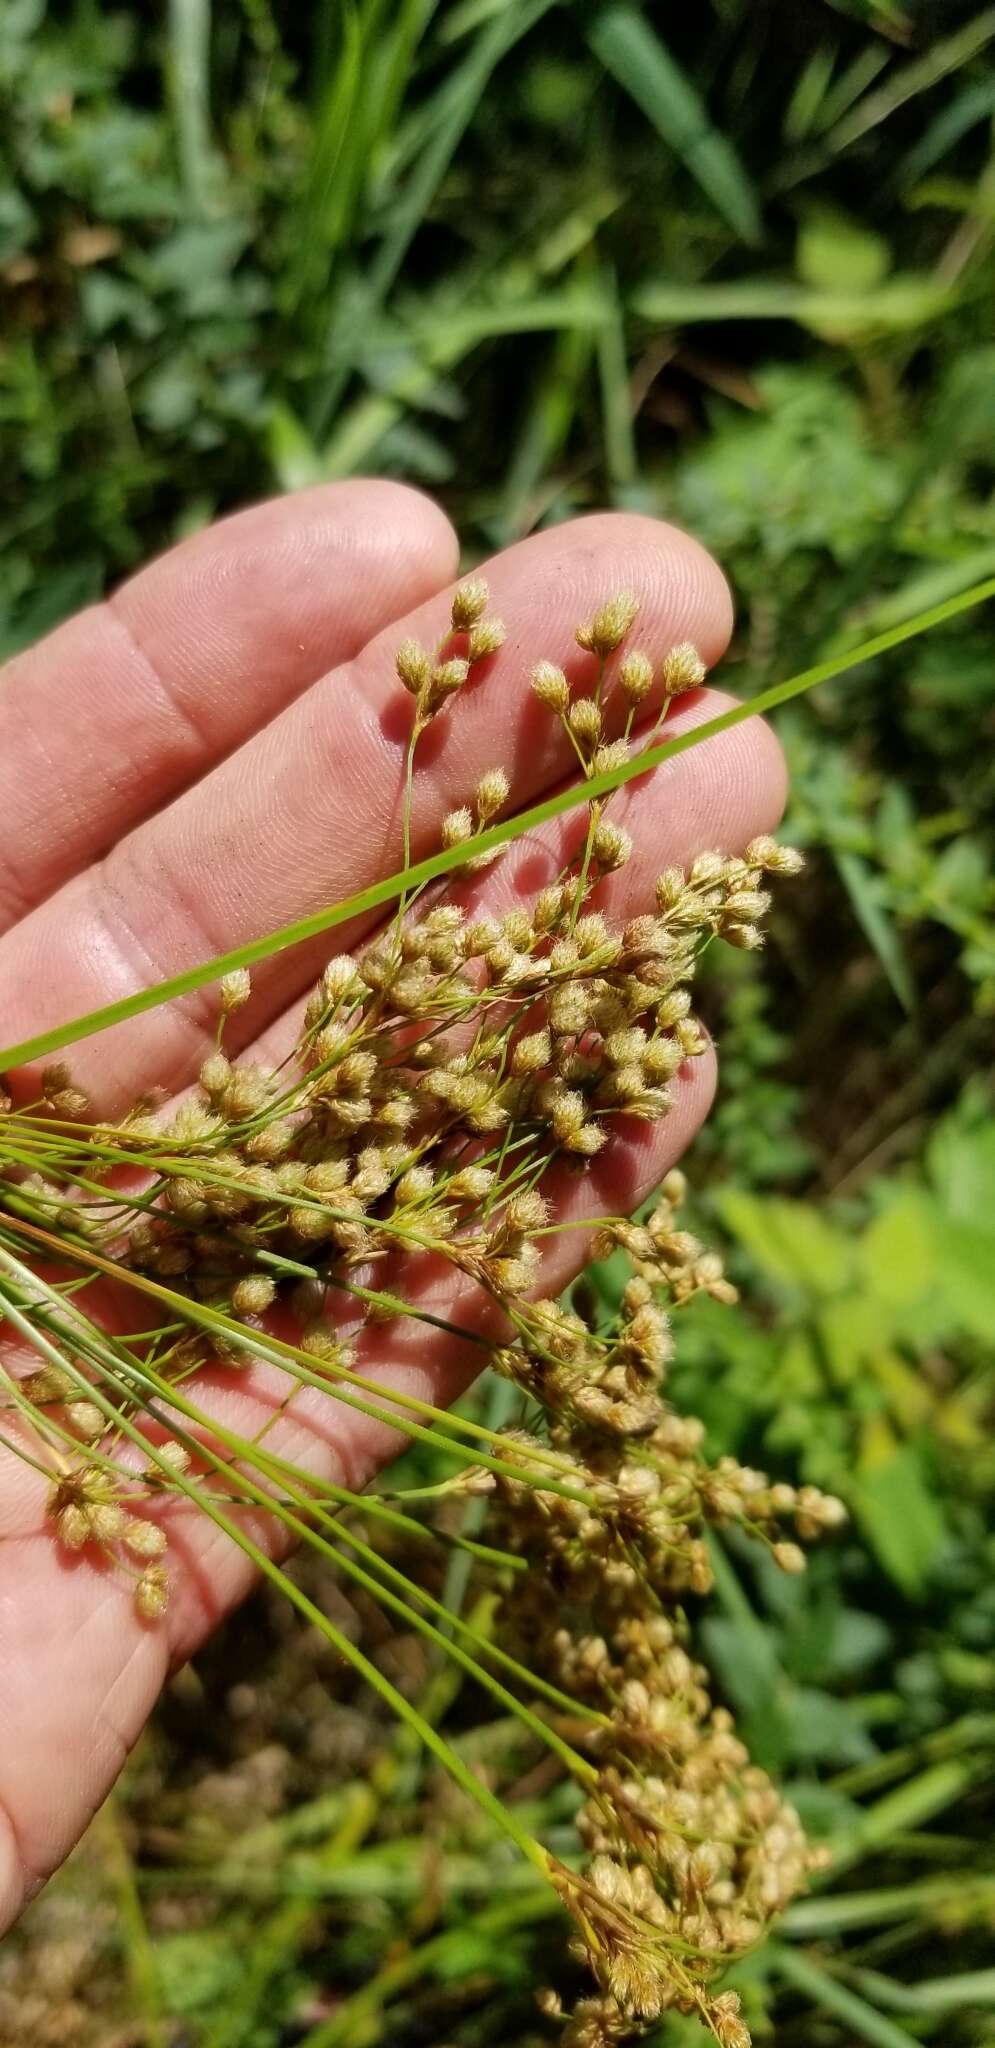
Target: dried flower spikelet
<point x="236" y="989"/>
<point x="447" y="677"/>
<point x="484" y="638"/>
<point x="584" y="719"/>
<point x="532" y="1053"/>
<point x="635" y="676"/>
<point x="174" y="1456"/>
<point x="107" y="1520"/>
<point x="550" y="685"/>
<point x="612" y="846"/>
<point x="683" y="669"/>
<point x="612" y="756"/>
<point x="457" y="826"/>
<point x="790" y="1557"/>
<point x="144" y="1539"/>
<point x="774" y="859"/>
<point x="414" y="666"/>
<point x="86" y="1419"/>
<point x="469" y="603"/>
<point x="493" y="791"/>
<point x="253" y="1295"/>
<point x="610" y="624"/>
<point x="50" y="1383"/>
<point x="73" y="1526"/>
<point x="215" y="1075"/>
<point x="152" y="1593"/>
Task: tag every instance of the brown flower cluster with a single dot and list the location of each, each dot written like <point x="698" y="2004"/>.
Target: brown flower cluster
<point x="439" y="1075"/>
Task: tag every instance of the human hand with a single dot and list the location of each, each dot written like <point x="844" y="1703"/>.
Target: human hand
<point x="207" y="756"/>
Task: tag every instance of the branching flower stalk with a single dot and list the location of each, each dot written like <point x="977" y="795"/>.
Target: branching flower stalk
<point x="445" y="1081"/>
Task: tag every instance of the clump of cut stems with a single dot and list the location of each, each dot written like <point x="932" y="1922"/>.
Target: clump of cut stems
<point x="449" y="1085"/>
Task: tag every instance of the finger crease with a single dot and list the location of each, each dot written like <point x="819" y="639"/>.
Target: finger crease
<point x="201" y="741"/>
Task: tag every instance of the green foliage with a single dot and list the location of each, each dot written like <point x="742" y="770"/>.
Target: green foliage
<point x="734" y="266"/>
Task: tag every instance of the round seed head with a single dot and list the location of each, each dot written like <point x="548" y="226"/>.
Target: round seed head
<point x="236" y="989"/>
<point x="532" y="1053"/>
<point x="144" y="1539"/>
<point x="469" y="603"/>
<point x="457" y="826"/>
<point x="550" y="686"/>
<point x="635" y="677"/>
<point x="152" y="1593"/>
<point x="683" y="670"/>
<point x="485" y="638"/>
<point x="86" y="1419"/>
<point x="585" y="719"/>
<point x="448" y="677"/>
<point x="414" y="666"/>
<point x="492" y="793"/>
<point x="790" y="1557"/>
<point x="765" y="853"/>
<point x="253" y="1295"/>
<point x="612" y="846"/>
<point x="610" y="624"/>
<point x="73" y="1526"/>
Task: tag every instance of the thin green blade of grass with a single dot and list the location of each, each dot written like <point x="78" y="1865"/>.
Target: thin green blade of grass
<point x="442" y="345"/>
<point x="931" y="1994"/>
<point x="188" y="64"/>
<point x="900" y="304"/>
<point x="456" y="103"/>
<point x="330" y="180"/>
<point x="543" y="433"/>
<point x="911" y="79"/>
<point x="830" y="1997"/>
<point x="447" y="326"/>
<point x="904" y="84"/>
<point x="616" y="403"/>
<point x="974" y="104"/>
<point x="628" y="48"/>
<point x="878" y="929"/>
<point x="865" y="67"/>
<point x="407" y="879"/>
<point x="809" y="94"/>
<point x="819" y="1919"/>
<point x="465" y="92"/>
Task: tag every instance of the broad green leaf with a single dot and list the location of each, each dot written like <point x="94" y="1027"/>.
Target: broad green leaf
<point x="898" y="1251"/>
<point x="790" y="1241"/>
<point x="962" y="1166"/>
<point x="892" y="1501"/>
<point x="837" y="253"/>
<point x="851" y="1329"/>
<point x="967" y="1260"/>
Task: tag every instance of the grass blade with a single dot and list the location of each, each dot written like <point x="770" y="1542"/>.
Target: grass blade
<point x="876" y="925"/>
<point x="897" y="305"/>
<point x="636" y="58"/>
<point x="396" y="885"/>
<point x="828" y="1996"/>
<point x="189" y="77"/>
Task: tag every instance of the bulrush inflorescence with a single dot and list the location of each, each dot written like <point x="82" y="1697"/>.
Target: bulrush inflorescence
<point x="446" y="1079"/>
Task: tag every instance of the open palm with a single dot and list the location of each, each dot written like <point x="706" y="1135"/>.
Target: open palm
<point x="216" y="751"/>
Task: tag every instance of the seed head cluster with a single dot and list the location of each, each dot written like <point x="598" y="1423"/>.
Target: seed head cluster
<point x="447" y="1075"/>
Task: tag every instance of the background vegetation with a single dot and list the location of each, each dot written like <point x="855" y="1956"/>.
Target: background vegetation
<point x="732" y="264"/>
